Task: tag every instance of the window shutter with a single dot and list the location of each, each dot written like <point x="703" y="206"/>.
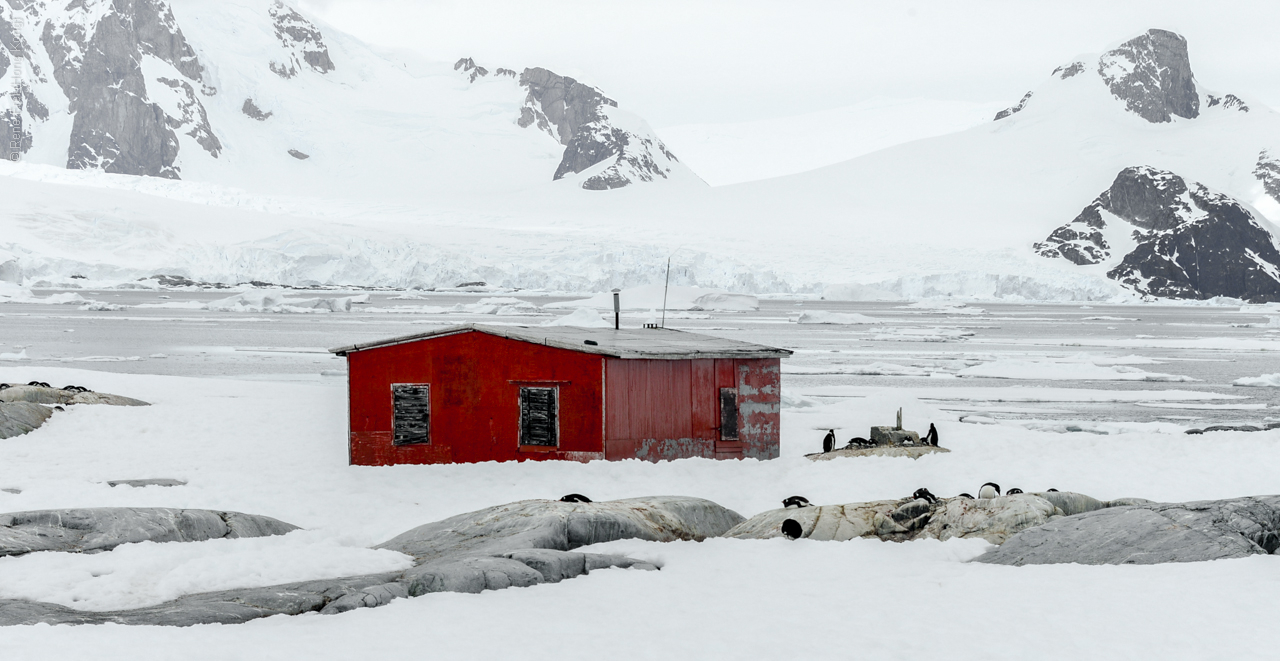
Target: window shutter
<point x="728" y="414"/>
<point x="411" y="407"/>
<point x="538" y="417"/>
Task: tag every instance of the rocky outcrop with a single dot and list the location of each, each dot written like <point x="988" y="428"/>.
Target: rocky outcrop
<point x="1226" y="102"/>
<point x="303" y="44"/>
<point x="1151" y="73"/>
<point x="1149" y="533"/>
<point x="299" y="155"/>
<point x="1068" y="70"/>
<point x="100" y="60"/>
<point x="1192" y="243"/>
<point x="469" y="66"/>
<point x="596" y="134"/>
<point x="104" y="528"/>
<point x="992" y="519"/>
<point x="565" y="526"/>
<point x="1015" y="108"/>
<point x="59" y="396"/>
<point x="1267" y="171"/>
<point x="252" y="111"/>
<point x="18" y="418"/>
<point x="516" y="545"/>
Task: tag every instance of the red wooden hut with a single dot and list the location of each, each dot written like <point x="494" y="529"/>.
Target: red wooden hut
<point x="478" y="392"/>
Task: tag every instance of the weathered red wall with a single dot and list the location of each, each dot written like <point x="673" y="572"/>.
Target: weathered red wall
<point x="670" y="409"/>
<point x="475" y="408"/>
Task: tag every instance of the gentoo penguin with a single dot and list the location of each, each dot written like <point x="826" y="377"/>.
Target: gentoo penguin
<point x="829" y="441"/>
<point x="965" y="495"/>
<point x="575" y="498"/>
<point x="58" y="408"/>
<point x="989" y="490"/>
<point x="931" y="438"/>
<point x="796" y="501"/>
<point x="791" y="528"/>
<point x="924" y="494"/>
<point x="1013" y="491"/>
<point x="1052" y="490"/>
<point x="859" y="442"/>
<point x="4" y="386"/>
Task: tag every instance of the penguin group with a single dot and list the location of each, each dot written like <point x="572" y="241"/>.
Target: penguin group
<point x="575" y="498"/>
<point x="76" y="389"/>
<point x="41" y="384"/>
<point x="987" y="491"/>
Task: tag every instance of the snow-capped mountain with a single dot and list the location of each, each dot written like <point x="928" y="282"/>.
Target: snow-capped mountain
<point x="253" y="94"/>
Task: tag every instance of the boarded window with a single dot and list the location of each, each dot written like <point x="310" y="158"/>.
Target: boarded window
<point x="538" y="417"/>
<point x="411" y="405"/>
<point x="728" y="414"/>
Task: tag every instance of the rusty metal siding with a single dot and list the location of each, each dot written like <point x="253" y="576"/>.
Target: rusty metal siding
<point x="759" y="407"/>
<point x="661" y="409"/>
<point x="475" y="380"/>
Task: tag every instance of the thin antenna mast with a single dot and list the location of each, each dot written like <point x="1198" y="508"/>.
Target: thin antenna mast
<point x="664" y="291"/>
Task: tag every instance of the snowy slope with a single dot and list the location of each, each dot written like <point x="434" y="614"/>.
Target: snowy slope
<point x="724" y="154"/>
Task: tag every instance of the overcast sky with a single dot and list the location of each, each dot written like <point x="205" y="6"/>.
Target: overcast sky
<point x="685" y="61"/>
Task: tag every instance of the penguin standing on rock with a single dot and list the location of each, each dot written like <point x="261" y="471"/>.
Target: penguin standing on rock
<point x="795" y="502"/>
<point x="966" y="495"/>
<point x="829" y="441"/>
<point x="931" y="438"/>
<point x="1013" y="491"/>
<point x="989" y="490"/>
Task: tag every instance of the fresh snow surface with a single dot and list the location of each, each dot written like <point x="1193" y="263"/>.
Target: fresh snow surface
<point x="584" y="317"/>
<point x="763" y="149"/>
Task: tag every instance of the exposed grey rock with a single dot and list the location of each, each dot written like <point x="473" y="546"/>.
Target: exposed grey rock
<point x="57" y="396"/>
<point x="299" y="155"/>
<point x="150" y="482"/>
<point x="1192" y="243"/>
<point x="302" y="41"/>
<point x="253" y="111"/>
<point x="1267" y="171"/>
<point x="116" y="127"/>
<point x="1015" y="108"/>
<point x="886" y="435"/>
<point x="517" y="545"/>
<point x="993" y="519"/>
<point x="1151" y="73"/>
<point x="1150" y="533"/>
<point x="1068" y="70"/>
<point x="565" y="526"/>
<point x="18" y="418"/>
<point x="881" y="451"/>
<point x="104" y="528"/>
<point x="576" y="115"/>
<point x="469" y="66"/>
<point x="1228" y="102"/>
<point x="510" y="73"/>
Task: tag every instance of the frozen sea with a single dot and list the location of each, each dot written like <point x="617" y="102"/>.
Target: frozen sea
<point x="984" y="363"/>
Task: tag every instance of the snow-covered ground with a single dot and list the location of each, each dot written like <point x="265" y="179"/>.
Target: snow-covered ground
<point x="269" y="438"/>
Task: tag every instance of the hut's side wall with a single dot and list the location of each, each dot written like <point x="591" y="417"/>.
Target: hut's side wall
<point x="475" y="380"/>
<point x="670" y="409"/>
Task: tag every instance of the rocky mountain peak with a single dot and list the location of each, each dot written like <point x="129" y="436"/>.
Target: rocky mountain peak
<point x="559" y="104"/>
<point x="1151" y="73"/>
<point x="1191" y="242"/>
<point x="469" y="66"/>
<point x="302" y="42"/>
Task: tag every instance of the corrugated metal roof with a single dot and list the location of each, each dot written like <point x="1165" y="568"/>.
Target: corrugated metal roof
<point x="652" y="343"/>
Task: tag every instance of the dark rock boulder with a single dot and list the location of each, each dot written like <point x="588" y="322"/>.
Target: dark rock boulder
<point x="1149" y="533"/>
<point x="1151" y="73"/>
<point x="104" y="528"/>
<point x="1192" y="243"/>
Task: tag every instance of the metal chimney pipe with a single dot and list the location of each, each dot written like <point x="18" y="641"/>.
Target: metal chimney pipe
<point x="617" y="309"/>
